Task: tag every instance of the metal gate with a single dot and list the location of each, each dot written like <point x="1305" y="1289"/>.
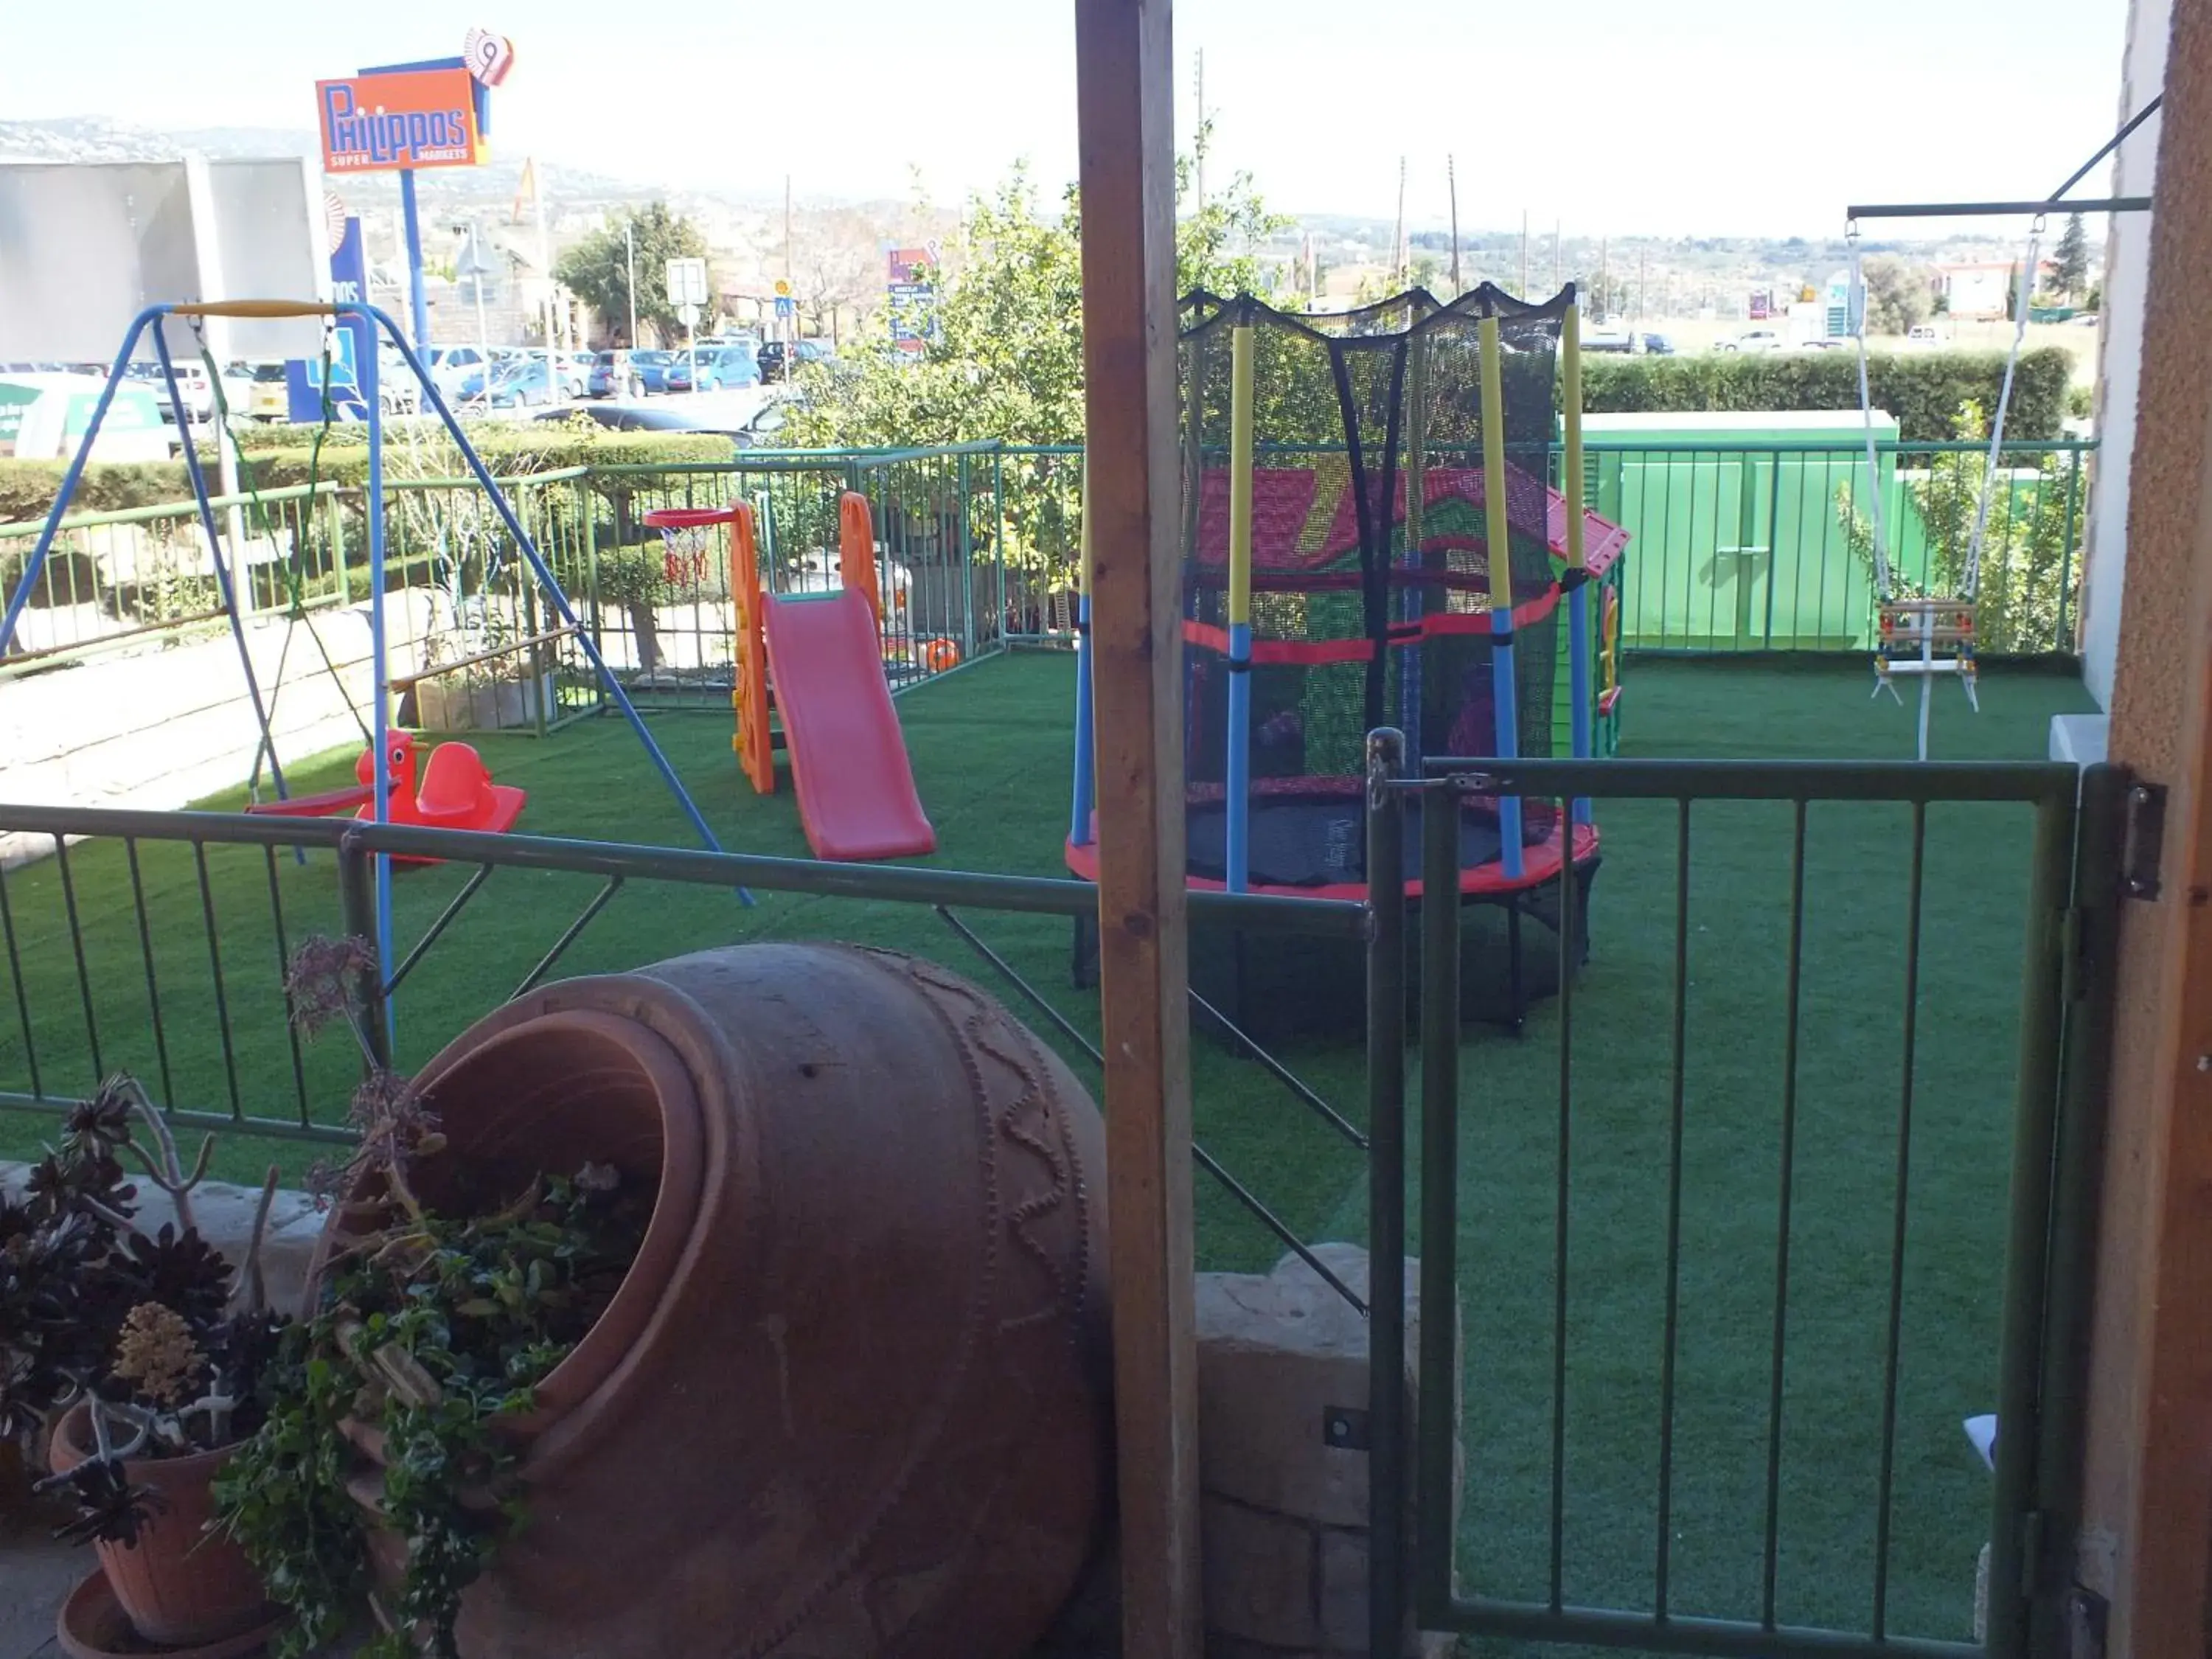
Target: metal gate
<point x="1724" y="1269"/>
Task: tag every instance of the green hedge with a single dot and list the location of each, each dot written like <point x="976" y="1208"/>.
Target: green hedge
<point x="279" y="456"/>
<point x="1923" y="390"/>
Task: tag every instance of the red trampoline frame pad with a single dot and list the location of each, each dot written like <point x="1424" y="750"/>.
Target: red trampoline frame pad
<point x="1540" y="863"/>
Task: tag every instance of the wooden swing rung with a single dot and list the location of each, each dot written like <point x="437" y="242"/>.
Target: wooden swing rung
<point x="406" y="682"/>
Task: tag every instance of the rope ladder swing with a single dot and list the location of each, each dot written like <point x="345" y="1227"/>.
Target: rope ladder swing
<point x="1923" y="635"/>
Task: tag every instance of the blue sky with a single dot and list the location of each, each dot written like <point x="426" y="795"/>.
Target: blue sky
<point x="1708" y="117"/>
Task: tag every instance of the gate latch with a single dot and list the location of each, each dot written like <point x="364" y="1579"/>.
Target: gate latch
<point x="2145" y="843"/>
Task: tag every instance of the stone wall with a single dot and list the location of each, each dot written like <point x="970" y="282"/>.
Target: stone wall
<point x="1284" y="1511"/>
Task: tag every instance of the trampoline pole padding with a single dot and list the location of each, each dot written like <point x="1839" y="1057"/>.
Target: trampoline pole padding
<point x="1238" y="772"/>
<point x="1579" y="687"/>
<point x="1509" y="733"/>
<point x="1579" y="609"/>
<point x="1498" y="558"/>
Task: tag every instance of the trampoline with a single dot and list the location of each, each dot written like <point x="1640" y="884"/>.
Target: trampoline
<point x="1372" y="537"/>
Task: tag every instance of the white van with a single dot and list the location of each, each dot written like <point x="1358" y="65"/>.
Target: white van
<point x="43" y="417"/>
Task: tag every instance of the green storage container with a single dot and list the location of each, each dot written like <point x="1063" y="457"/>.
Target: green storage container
<point x="1739" y="542"/>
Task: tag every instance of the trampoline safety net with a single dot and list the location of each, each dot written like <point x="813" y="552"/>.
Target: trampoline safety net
<point x="1373" y="582"/>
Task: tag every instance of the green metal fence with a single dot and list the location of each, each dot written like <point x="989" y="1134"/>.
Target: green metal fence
<point x="1768" y="546"/>
<point x="112" y="578"/>
<point x="1822" y="1299"/>
<point x="1715" y="1291"/>
<point x="1735" y="547"/>
<point x="156" y="942"/>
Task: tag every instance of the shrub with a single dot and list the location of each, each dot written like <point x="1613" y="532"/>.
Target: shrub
<point x="1923" y="391"/>
<point x="277" y="457"/>
<point x="2027" y="562"/>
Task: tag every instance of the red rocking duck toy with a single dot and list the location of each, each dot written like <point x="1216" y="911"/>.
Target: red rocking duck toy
<point x="457" y="792"/>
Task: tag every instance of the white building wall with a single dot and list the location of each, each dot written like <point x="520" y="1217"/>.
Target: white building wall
<point x="2127" y="266"/>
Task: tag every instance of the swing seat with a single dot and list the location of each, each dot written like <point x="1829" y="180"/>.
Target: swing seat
<point x="458" y="792"/>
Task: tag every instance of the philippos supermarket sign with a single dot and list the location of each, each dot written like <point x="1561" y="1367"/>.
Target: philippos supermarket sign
<point x="425" y="118"/>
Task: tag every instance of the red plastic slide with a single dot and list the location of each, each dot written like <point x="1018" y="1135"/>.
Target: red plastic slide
<point x="848" y="760"/>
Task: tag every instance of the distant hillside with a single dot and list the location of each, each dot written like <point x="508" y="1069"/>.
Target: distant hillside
<point x="95" y="138"/>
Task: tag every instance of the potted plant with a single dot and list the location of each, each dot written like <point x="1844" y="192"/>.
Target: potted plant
<point x="395" y="1412"/>
<point x="497" y="686"/>
<point x="124" y="1346"/>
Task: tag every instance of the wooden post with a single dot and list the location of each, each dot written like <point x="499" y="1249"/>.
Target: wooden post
<point x="1125" y="88"/>
<point x="2147" y="1484"/>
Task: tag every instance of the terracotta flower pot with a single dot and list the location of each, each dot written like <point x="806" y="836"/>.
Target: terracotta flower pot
<point x="183" y="1584"/>
<point x="851" y="1398"/>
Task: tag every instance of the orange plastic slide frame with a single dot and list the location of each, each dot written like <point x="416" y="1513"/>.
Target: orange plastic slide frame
<point x="856" y="549"/>
<point x="749" y="669"/>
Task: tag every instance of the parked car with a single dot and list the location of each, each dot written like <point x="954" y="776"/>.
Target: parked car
<point x="717" y="368"/>
<point x="576" y="371"/>
<point x="1752" y="339"/>
<point x="268" y="396"/>
<point x="524" y="384"/>
<point x="1922" y="334"/>
<point x="193" y="386"/>
<point x="724" y="367"/>
<point x="627" y="374"/>
<point x="1656" y="345"/>
<point x="453" y="366"/>
<point x="1608" y="339"/>
<point x="644" y="417"/>
<point x="763" y="430"/>
<point x="773" y="356"/>
<point x="237" y="383"/>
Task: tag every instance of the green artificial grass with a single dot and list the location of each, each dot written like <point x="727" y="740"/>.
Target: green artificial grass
<point x="991" y="749"/>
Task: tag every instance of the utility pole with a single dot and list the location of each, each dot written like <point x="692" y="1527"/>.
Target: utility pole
<point x="1200" y="167"/>
<point x="1555" y="256"/>
<point x="1451" y="186"/>
<point x="629" y="266"/>
<point x="1398" y="236"/>
<point x="545" y="266"/>
<point x="1313" y="275"/>
<point x="1603" y="307"/>
<point x="1639" y="285"/>
<point x="1524" y="254"/>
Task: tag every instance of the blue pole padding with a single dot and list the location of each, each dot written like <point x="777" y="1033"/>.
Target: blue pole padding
<point x="196" y="476"/>
<point x="1239" y="803"/>
<point x="71" y="478"/>
<point x="554" y="595"/>
<point x="379" y="770"/>
<point x="1578" y="683"/>
<point x="418" y="298"/>
<point x="1078" y="820"/>
<point x="1509" y="737"/>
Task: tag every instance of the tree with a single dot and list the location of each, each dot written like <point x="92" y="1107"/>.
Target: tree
<point x="1897" y="294"/>
<point x="2071" y="274"/>
<point x="1008" y="360"/>
<point x="597" y="270"/>
<point x="836" y="269"/>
